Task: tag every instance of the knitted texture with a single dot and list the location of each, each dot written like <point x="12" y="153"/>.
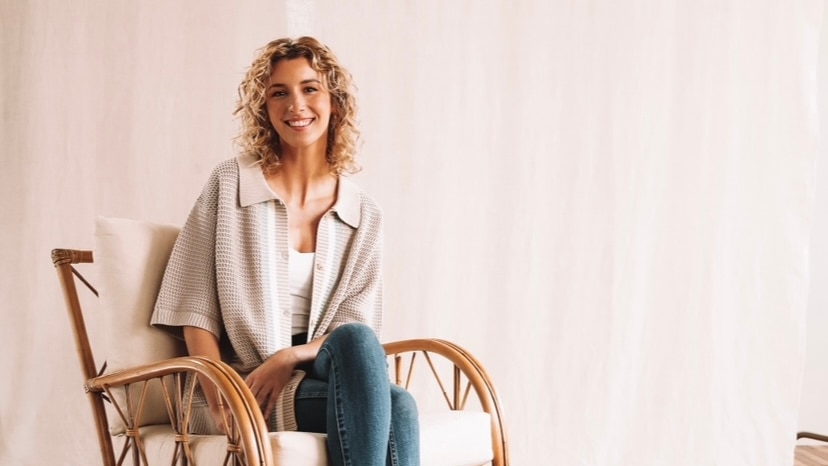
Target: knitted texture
<point x="228" y="272"/>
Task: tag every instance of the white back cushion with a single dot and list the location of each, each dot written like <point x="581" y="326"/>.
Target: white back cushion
<point x="131" y="257"/>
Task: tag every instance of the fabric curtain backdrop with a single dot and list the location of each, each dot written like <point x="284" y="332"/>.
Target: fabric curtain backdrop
<point x="608" y="202"/>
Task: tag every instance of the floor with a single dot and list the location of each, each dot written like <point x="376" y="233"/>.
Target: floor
<point x="811" y="455"/>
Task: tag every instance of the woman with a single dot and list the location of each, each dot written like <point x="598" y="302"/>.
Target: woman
<point x="277" y="270"/>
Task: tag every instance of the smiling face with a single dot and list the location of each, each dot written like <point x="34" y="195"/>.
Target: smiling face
<point x="299" y="106"/>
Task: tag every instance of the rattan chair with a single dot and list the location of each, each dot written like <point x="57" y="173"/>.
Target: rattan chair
<point x="811" y="436"/>
<point x="142" y="413"/>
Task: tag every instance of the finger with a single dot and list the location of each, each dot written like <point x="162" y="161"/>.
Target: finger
<point x="261" y="397"/>
<point x="261" y="392"/>
<point x="218" y="414"/>
<point x="258" y="391"/>
<point x="274" y="398"/>
<point x="219" y="420"/>
<point x="228" y="415"/>
<point x="264" y="405"/>
<point x="251" y="381"/>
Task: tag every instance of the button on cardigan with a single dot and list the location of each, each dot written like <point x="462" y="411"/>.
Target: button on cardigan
<point x="228" y="272"/>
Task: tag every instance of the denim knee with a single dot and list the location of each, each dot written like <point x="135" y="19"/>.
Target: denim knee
<point x="356" y="338"/>
<point x="354" y="346"/>
<point x="353" y="333"/>
<point x="403" y="405"/>
<point x="404" y="439"/>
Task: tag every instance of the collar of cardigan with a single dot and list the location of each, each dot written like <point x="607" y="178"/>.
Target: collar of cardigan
<point x="253" y="189"/>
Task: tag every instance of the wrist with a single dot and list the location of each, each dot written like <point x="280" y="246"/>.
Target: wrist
<point x="288" y="356"/>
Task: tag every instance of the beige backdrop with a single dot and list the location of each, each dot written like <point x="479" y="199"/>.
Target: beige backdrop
<point x="609" y="202"/>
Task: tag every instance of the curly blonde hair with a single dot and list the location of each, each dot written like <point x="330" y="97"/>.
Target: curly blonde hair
<point x="257" y="135"/>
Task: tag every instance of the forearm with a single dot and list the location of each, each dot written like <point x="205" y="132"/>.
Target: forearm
<point x="300" y="354"/>
<point x="200" y="342"/>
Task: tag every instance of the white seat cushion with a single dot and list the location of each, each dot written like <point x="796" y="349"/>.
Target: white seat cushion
<point x="455" y="438"/>
<point x="450" y="438"/>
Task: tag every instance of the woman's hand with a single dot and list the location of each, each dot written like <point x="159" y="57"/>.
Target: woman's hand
<point x="267" y="381"/>
<point x="221" y="415"/>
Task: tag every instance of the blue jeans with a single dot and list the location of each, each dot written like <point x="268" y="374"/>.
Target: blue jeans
<point x="347" y="395"/>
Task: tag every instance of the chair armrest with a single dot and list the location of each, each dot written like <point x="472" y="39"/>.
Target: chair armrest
<point x="466" y="364"/>
<point x="248" y="435"/>
<point x="812" y="436"/>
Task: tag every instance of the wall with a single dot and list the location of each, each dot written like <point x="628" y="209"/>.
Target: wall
<point x="813" y="414"/>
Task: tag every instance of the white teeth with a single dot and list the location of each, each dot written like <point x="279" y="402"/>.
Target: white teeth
<point x="299" y="123"/>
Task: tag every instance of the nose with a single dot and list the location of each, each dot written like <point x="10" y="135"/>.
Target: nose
<point x="297" y="105"/>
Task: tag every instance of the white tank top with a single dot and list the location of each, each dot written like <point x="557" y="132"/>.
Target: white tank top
<point x="300" y="278"/>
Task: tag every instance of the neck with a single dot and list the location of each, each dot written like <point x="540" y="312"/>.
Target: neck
<point x="302" y="178"/>
<point x="308" y="159"/>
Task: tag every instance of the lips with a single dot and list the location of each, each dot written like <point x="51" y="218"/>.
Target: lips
<point x="299" y="123"/>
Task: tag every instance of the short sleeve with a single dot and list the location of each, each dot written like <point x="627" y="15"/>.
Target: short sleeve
<point x="188" y="294"/>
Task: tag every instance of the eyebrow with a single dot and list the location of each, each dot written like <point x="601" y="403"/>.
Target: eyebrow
<point x="306" y="81"/>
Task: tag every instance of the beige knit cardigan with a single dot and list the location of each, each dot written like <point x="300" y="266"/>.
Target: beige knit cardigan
<point x="228" y="274"/>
